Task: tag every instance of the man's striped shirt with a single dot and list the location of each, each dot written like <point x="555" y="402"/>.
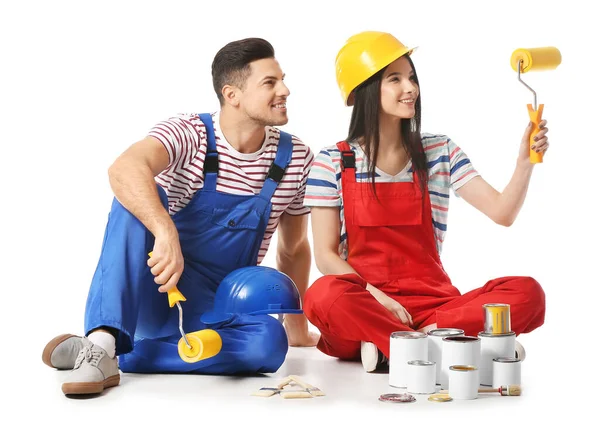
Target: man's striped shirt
<point x="184" y="137"/>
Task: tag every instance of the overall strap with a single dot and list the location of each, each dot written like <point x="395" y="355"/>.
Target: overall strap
<point x="211" y="161"/>
<point x="283" y="157"/>
<point x="348" y="160"/>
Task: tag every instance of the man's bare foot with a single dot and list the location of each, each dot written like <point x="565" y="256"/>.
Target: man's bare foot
<point x="428" y="328"/>
<point x="296" y="327"/>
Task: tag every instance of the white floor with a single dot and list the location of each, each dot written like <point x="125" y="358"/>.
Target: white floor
<point x="549" y="392"/>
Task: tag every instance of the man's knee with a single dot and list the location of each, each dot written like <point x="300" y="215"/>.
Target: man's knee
<point x="267" y="353"/>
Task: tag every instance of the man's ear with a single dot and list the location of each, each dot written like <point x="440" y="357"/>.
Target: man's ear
<point x="231" y="95"/>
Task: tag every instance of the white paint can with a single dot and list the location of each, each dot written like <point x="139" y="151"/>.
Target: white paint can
<point x="421" y="377"/>
<point x="464" y="382"/>
<point x="405" y="346"/>
<point x="493" y="346"/>
<point x="496" y="318"/>
<point x="506" y="371"/>
<point x="459" y="350"/>
<point x="435" y="337"/>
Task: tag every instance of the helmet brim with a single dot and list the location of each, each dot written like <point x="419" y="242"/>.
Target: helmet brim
<point x="390" y="59"/>
<point x="218" y="317"/>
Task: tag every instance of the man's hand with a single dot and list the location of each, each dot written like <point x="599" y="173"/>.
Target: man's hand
<point x="166" y="261"/>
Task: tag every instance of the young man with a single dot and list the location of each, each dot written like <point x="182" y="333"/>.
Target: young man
<point x="204" y="194"/>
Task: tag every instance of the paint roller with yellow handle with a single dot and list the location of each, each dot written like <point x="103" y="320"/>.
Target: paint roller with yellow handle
<point x="194" y="346"/>
<point x="536" y="59"/>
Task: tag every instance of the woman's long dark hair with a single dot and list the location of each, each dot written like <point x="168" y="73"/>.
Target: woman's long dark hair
<point x="364" y="127"/>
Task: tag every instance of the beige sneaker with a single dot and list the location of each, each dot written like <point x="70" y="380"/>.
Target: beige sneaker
<point x="372" y="359"/>
<point x="93" y="371"/>
<point x="61" y="352"/>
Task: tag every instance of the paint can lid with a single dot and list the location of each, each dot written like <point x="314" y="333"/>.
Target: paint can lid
<point x="440" y="398"/>
<point x="397" y="398"/>
<point x="495" y="305"/>
<point x="445" y="332"/>
<point x="408" y="335"/>
<point x="463" y="368"/>
<point x="420" y="363"/>
<point x="461" y="338"/>
<point x="507" y="359"/>
<point x="494" y="335"/>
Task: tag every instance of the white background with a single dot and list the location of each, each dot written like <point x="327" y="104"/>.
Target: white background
<point x="81" y="81"/>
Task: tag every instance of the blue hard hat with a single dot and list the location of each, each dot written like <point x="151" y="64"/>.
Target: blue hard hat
<point x="254" y="290"/>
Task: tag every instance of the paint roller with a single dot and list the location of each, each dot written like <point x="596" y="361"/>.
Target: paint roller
<point x="194" y="346"/>
<point x="537" y="59"/>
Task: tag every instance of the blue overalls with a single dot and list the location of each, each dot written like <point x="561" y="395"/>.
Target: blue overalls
<point x="219" y="233"/>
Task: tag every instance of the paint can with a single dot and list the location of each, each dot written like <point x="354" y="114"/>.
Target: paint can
<point x="435" y="337"/>
<point x="405" y="346"/>
<point x="506" y="371"/>
<point x="459" y="350"/>
<point x="496" y="318"/>
<point x="420" y="377"/>
<point x="493" y="346"/>
<point x="463" y="382"/>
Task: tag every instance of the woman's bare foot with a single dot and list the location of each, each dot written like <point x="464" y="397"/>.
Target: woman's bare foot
<point x="296" y="327"/>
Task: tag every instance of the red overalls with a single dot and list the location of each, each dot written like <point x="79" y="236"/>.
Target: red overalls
<point x="391" y="245"/>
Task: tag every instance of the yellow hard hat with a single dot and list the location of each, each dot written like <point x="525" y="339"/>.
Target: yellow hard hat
<point x="364" y="55"/>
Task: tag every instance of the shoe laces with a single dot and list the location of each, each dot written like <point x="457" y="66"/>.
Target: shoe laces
<point x="89" y="354"/>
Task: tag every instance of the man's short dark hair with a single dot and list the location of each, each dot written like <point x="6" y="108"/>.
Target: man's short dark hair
<point x="231" y="65"/>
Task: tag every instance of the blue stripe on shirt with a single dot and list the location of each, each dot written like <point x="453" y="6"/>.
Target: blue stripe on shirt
<point x="459" y="165"/>
<point x="440" y="159"/>
<point x="320" y="183"/>
<point x="438" y="225"/>
<point x="439" y="194"/>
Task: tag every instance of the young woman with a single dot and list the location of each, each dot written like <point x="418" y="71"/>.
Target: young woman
<point x="379" y="205"/>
